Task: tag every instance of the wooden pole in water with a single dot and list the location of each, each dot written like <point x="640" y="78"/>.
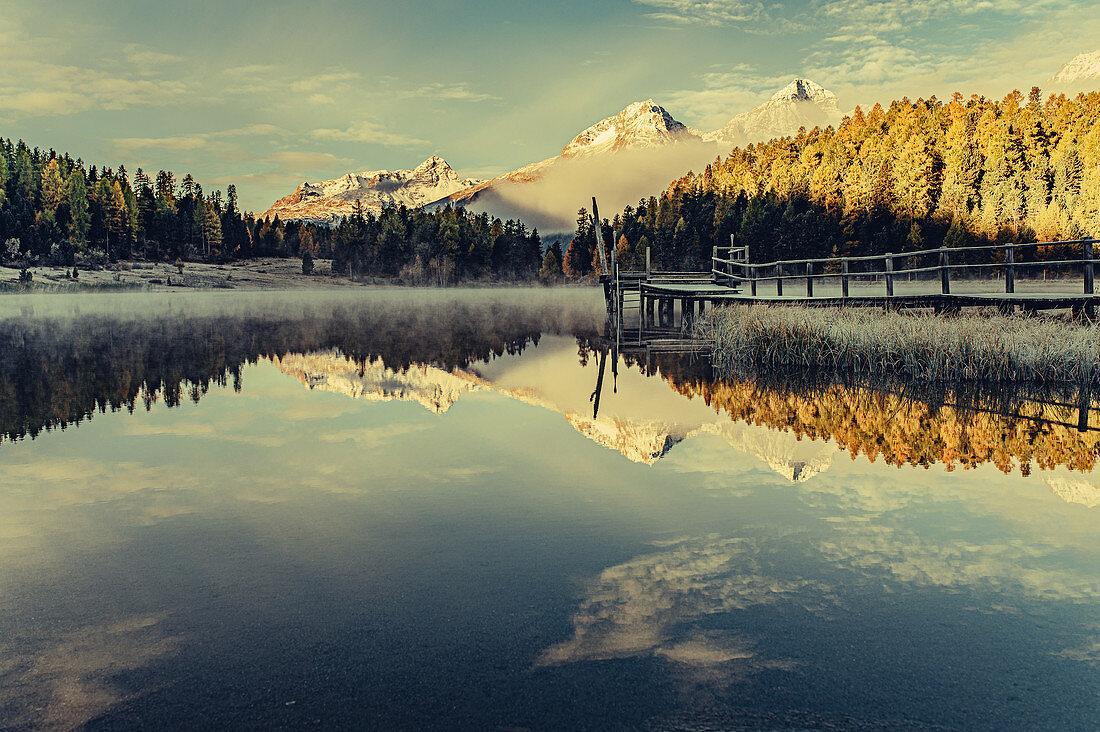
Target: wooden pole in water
<point x="599" y="236"/>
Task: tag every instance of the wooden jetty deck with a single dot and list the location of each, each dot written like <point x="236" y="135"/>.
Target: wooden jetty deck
<point x="889" y="281"/>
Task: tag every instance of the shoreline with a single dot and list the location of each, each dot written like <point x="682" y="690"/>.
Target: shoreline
<point x="265" y="273"/>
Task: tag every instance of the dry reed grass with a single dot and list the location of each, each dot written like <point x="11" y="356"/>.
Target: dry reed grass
<point x="969" y="347"/>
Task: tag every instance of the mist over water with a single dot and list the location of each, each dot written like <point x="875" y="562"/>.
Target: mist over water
<point x="410" y="509"/>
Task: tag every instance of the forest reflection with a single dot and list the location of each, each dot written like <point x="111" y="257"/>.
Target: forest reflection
<point x="57" y="371"/>
<point x="904" y="423"/>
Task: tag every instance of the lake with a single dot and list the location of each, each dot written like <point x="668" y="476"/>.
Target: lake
<point x="396" y="509"/>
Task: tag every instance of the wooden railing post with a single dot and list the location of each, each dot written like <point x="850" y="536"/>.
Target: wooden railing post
<point x="752" y="278"/>
<point x="809" y="279"/>
<point x="778" y="279"/>
<point x="714" y="266"/>
<point x="945" y="273"/>
<point x="889" y="275"/>
<point x="1088" y="266"/>
<point x="1010" y="271"/>
<point x="844" y="277"/>
<point x="647" y="269"/>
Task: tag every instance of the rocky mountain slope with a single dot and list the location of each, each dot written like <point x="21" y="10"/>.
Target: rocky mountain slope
<point x="1081" y="69"/>
<point x="802" y="103"/>
<point x="328" y="201"/>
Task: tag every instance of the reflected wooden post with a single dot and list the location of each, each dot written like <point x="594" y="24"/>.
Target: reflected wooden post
<point x="809" y="279"/>
<point x="844" y="277"/>
<point x="1083" y="403"/>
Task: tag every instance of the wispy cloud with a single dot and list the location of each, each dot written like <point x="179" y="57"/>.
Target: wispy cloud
<point x="135" y="53"/>
<point x="367" y="131"/>
<point x="454" y="92"/>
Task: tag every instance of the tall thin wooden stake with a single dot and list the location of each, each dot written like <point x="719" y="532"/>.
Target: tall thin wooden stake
<point x="599" y="236"/>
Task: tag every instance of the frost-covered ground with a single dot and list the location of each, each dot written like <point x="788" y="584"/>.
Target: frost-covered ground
<point x="256" y="274"/>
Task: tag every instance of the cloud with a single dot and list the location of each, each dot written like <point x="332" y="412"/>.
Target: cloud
<point x="70" y="679"/>
<point x="453" y="92"/>
<point x="320" y="99"/>
<point x="657" y="604"/>
<point x="367" y="131"/>
<point x="300" y="161"/>
<point x="705" y="12"/>
<point x="324" y="79"/>
<point x="32" y="85"/>
<point x="198" y="140"/>
<point x="135" y="53"/>
<point x="177" y="142"/>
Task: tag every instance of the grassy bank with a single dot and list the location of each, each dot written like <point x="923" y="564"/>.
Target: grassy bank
<point x="912" y="346"/>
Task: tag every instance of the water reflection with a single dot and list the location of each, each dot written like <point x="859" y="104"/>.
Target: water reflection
<point x="418" y="512"/>
<point x="57" y="370"/>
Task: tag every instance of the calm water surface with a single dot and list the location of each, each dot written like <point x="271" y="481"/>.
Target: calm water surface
<point x="398" y="511"/>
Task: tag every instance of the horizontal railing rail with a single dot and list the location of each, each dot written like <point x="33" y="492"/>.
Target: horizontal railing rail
<point x="736" y="269"/>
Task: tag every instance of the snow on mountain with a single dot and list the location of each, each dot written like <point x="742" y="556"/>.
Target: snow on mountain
<point x="802" y="103"/>
<point x="648" y="147"/>
<point x="1075" y="489"/>
<point x="1082" y="69"/>
<point x="328" y="201"/>
<point x="639" y="125"/>
<point x="433" y="388"/>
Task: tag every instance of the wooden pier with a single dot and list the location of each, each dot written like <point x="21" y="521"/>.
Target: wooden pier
<point x="651" y="306"/>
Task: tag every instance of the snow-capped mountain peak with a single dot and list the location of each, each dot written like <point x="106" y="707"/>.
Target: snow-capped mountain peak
<point x="328" y="201"/>
<point x="1082" y="67"/>
<point x="802" y="103"/>
<point x="639" y="125"/>
<point x="802" y="90"/>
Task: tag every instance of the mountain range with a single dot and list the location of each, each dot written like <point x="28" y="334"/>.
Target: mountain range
<point x="622" y="158"/>
<point x="650" y="147"/>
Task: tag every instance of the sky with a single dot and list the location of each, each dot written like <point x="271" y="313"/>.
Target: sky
<point x="268" y="94"/>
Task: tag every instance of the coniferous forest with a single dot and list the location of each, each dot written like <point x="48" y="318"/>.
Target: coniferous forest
<point x="53" y="208"/>
<point x="911" y="176"/>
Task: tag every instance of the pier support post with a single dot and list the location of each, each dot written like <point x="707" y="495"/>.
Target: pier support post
<point x="889" y="275"/>
<point x="1090" y="309"/>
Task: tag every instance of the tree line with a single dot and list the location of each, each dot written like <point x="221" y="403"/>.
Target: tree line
<point x="911" y="176"/>
<point x="53" y="208"/>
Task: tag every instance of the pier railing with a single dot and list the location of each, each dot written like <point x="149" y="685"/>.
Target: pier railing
<point x="735" y="268"/>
